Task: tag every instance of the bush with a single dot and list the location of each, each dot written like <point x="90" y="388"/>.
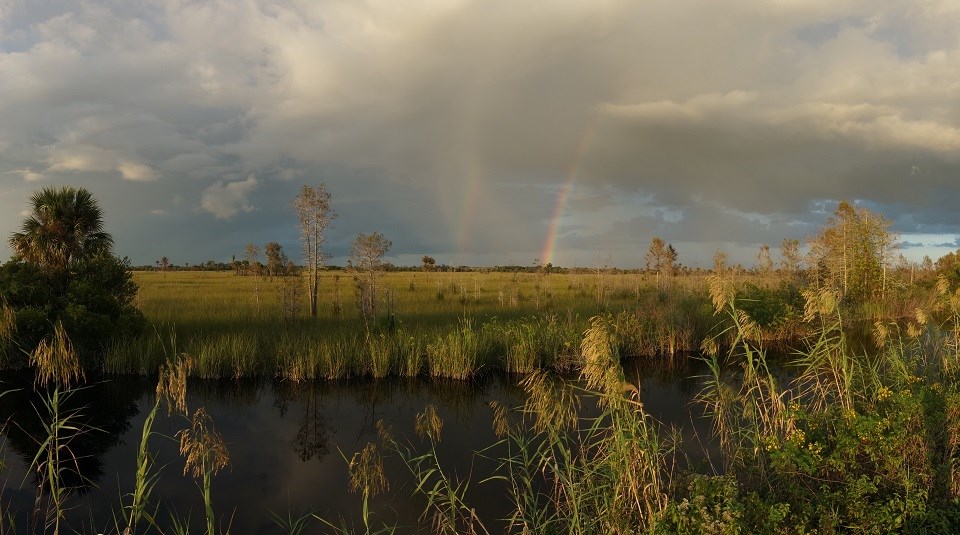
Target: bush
<point x="93" y="299"/>
<point x="778" y="311"/>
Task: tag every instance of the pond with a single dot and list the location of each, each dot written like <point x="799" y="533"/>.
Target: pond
<point x="289" y="445"/>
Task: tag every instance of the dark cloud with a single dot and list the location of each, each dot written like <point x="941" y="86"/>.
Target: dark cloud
<point x="456" y="128"/>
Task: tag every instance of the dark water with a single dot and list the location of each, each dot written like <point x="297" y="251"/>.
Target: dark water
<point x="288" y="445"/>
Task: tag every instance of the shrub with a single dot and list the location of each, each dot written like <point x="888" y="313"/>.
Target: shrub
<point x="93" y="299"/>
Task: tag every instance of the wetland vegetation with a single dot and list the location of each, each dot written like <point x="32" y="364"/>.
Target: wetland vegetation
<point x="830" y="392"/>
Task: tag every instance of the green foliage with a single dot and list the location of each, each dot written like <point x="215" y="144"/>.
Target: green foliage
<point x="93" y="299"/>
<point x="708" y="505"/>
<point x="949" y="266"/>
<point x="777" y="310"/>
<point x="852" y="252"/>
<point x="868" y="469"/>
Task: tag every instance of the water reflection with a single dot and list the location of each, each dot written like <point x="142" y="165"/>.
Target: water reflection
<point x="104" y="407"/>
<point x="313" y="434"/>
<point x="281" y="435"/>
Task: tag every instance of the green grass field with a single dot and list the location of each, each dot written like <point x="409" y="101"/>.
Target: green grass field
<point x="445" y="324"/>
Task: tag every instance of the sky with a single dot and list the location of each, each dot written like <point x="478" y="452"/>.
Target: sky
<point x="485" y="132"/>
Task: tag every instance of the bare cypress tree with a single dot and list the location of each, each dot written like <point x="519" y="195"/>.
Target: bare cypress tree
<point x="367" y="254"/>
<point x="314" y="216"/>
<point x="764" y="261"/>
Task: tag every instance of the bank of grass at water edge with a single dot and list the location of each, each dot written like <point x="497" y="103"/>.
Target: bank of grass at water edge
<point x="439" y="324"/>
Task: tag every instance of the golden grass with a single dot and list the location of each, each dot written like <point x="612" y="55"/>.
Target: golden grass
<point x="442" y="324"/>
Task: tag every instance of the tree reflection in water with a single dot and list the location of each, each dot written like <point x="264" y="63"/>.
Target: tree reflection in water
<point x="313" y="431"/>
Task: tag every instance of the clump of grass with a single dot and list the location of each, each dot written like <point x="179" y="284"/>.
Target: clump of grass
<point x="410" y="352"/>
<point x="828" y="368"/>
<point x="380" y="350"/>
<point x="607" y="474"/>
<point x="455" y="355"/>
<point x="296" y="360"/>
<point x="552" y="402"/>
<point x="429" y="425"/>
<point x="205" y="455"/>
<point x="235" y="354"/>
<point x="55" y="458"/>
<point x="755" y="411"/>
<point x="446" y="506"/>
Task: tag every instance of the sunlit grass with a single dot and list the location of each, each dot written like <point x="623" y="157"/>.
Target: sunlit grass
<point x="442" y="324"/>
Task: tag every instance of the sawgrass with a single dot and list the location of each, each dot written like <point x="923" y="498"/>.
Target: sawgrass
<point x="441" y="324"/>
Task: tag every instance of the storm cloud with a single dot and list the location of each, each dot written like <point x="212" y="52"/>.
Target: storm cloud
<point x="475" y="130"/>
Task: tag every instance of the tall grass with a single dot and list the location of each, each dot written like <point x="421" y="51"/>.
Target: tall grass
<point x="606" y="474"/>
<point x="209" y="315"/>
<point x="837" y="440"/>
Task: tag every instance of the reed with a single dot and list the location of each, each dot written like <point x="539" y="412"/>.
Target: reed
<point x="838" y="440"/>
<point x="205" y="455"/>
<point x="145" y="479"/>
<point x="51" y="461"/>
<point x="446" y="508"/>
<point x="751" y="411"/>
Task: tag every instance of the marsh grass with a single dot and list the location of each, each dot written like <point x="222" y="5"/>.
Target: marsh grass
<point x="209" y="316"/>
<point x="564" y="473"/>
<point x="62" y="424"/>
<point x="840" y="441"/>
<point x="55" y="462"/>
<point x="753" y="408"/>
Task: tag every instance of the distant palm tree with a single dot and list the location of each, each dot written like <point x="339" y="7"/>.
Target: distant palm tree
<point x="65" y="225"/>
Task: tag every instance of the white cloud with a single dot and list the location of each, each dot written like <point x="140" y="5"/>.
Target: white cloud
<point x="136" y="172"/>
<point x="225" y="200"/>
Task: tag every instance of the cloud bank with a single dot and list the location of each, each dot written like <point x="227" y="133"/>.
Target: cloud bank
<point x="474" y="130"/>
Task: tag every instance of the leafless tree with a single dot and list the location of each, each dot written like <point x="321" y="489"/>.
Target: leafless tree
<point x="764" y="261"/>
<point x="314" y="216"/>
<point x="367" y="255"/>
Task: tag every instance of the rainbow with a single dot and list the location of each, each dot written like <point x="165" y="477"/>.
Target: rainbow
<point x="563" y="196"/>
<point x="469" y="206"/>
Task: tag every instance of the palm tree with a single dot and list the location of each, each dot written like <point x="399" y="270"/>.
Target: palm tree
<point x="65" y="225"/>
